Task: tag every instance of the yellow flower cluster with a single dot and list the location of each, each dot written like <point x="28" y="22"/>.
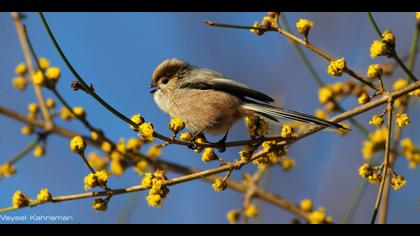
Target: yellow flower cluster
<point x="208" y="155"/>
<point x="257" y="127"/>
<point x="233" y="216"/>
<point x="388" y="37"/>
<point x="53" y="75"/>
<point x="370" y="173"/>
<point x="77" y="144"/>
<point x="158" y="190"/>
<point x="400" y="84"/>
<point x="306" y="205"/>
<point x="402" y="120"/>
<point x="100" y="204"/>
<point x="286" y="131"/>
<point x="7" y="170"/>
<point x="66" y="114"/>
<point x="219" y="185"/>
<point x="251" y="211"/>
<point x="137" y="119"/>
<point x="44" y="195"/>
<point x="377" y="121"/>
<point x="364" y="98"/>
<point x="27" y="130"/>
<point x="337" y="67"/>
<point x="186" y="136"/>
<point x="155" y="151"/>
<point x="118" y="164"/>
<point x="100" y="178"/>
<point x="398" y="181"/>
<point x="411" y="152"/>
<point x="257" y="32"/>
<point x="20" y="82"/>
<point x="246" y="153"/>
<point x="374" y="71"/>
<point x="39" y="151"/>
<point x="38" y="78"/>
<point x="304" y="26"/>
<point x="325" y="94"/>
<point x="176" y="125"/>
<point x="141" y="167"/>
<point x="20" y="200"/>
<point x="44" y="63"/>
<point x="378" y="48"/>
<point x="33" y="108"/>
<point x="97" y="162"/>
<point x="267" y="22"/>
<point x="80" y="112"/>
<point x="47" y="75"/>
<point x="146" y="131"/>
<point x="106" y="147"/>
<point x="287" y="163"/>
<point x="375" y="142"/>
<point x="50" y="103"/>
<point x="319" y="217"/>
<point x="274" y="153"/>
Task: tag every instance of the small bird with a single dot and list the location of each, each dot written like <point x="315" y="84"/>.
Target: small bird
<point x="207" y="101"/>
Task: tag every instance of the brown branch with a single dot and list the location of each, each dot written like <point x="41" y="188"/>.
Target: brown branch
<point x="26" y="52"/>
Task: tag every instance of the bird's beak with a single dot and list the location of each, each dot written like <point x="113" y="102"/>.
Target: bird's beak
<point x="153" y="88"/>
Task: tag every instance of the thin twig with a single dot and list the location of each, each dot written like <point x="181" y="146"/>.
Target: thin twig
<point x="26" y="52"/>
<point x="24" y="152"/>
<point x="386" y="161"/>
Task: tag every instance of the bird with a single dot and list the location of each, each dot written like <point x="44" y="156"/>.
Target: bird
<point x="209" y="102"/>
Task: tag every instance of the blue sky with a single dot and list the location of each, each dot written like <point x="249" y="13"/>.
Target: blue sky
<point x="117" y="52"/>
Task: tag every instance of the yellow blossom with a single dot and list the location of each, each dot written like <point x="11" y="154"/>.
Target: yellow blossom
<point x="246" y="153"/>
<point x="318" y="217"/>
<point x="7" y="170"/>
<point x="20" y="200"/>
<point x="378" y="48"/>
<point x="38" y="78"/>
<point x="44" y="195"/>
<point x="154" y="151"/>
<point x="154" y="200"/>
<point x="146" y="131"/>
<point x="208" y="155"/>
<point x="397" y="182"/>
<point x="337" y="67"/>
<point x="233" y="216"/>
<point x="199" y="140"/>
<point x="388" y="37"/>
<point x="368" y="149"/>
<point x="407" y="144"/>
<point x="287" y="164"/>
<point x="304" y="26"/>
<point x="376" y="121"/>
<point x="176" y="125"/>
<point x="92" y="180"/>
<point x="325" y="94"/>
<point x="267" y="21"/>
<point x="306" y="205"/>
<point x="33" y="107"/>
<point x="79" y="111"/>
<point x="286" y="131"/>
<point x="364" y="98"/>
<point x="44" y="63"/>
<point x="137" y="119"/>
<point x="117" y="167"/>
<point x="374" y="71"/>
<point x="21" y="69"/>
<point x="403" y="120"/>
<point x="65" y="114"/>
<point x="53" y="74"/>
<point x="39" y="151"/>
<point x="100" y="204"/>
<point x="78" y="144"/>
<point x="19" y="83"/>
<point x="27" y="130"/>
<point x="97" y="162"/>
<point x="400" y="84"/>
<point x="106" y="146"/>
<point x="379" y="136"/>
<point x="251" y="211"/>
<point x="256" y="31"/>
<point x="141" y="167"/>
<point x="321" y="114"/>
<point x="365" y="170"/>
<point x="186" y="136"/>
<point x="219" y="185"/>
<point x="50" y="103"/>
<point x="375" y="178"/>
<point x="257" y="127"/>
<point x="147" y="180"/>
<point x="134" y="144"/>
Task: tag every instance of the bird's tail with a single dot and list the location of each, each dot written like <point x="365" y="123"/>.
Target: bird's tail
<point x="273" y="113"/>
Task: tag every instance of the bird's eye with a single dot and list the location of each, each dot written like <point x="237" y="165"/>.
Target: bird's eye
<point x="165" y="80"/>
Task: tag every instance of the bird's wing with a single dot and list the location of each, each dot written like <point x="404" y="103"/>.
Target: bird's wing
<point x="205" y="79"/>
